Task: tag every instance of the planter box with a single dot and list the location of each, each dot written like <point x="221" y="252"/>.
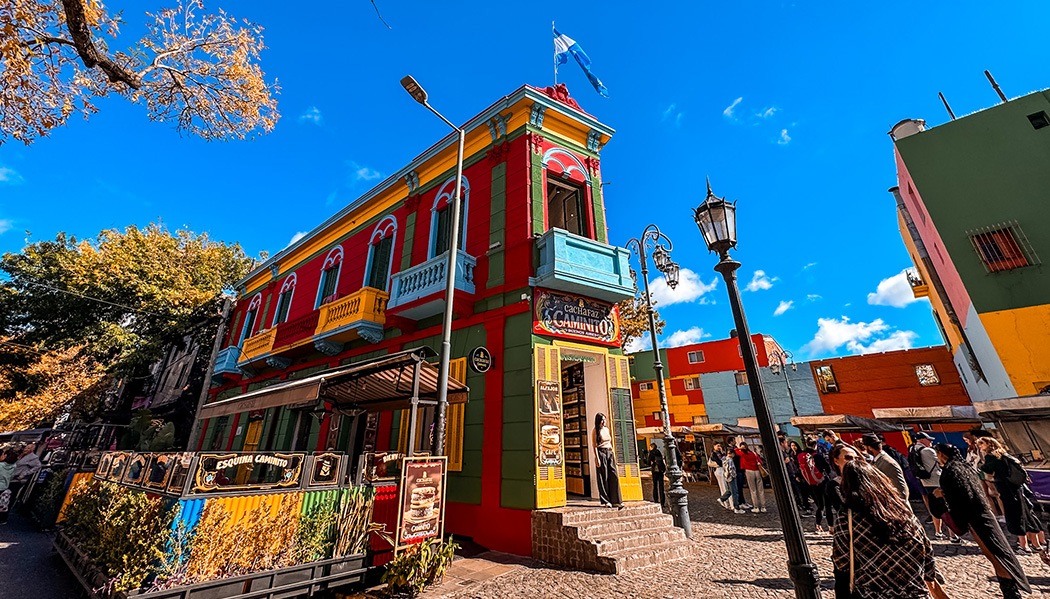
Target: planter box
<point x="284" y="583"/>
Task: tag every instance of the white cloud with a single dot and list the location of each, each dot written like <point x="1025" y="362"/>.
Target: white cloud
<point x="10" y="175"/>
<point x="760" y="281"/>
<point x="729" y="109"/>
<point x="312" y="115"/>
<point x="783" y="307"/>
<point x="673" y="114"/>
<point x="812" y="297"/>
<point x="894" y="291"/>
<point x="638" y="344"/>
<point x="784" y="138"/>
<point x="690" y="289"/>
<point x="669" y="111"/>
<point x="686" y="337"/>
<point x="765" y="114"/>
<point x="5" y="225"/>
<point x="363" y="173"/>
<point x="297" y="237"/>
<point x="809" y="266"/>
<point x="858" y="337"/>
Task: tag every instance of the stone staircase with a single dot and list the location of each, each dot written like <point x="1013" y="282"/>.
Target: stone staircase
<point x="608" y="540"/>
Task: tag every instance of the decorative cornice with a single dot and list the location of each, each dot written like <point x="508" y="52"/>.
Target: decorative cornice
<point x="371" y="332"/>
<point x="275" y="269"/>
<point x="278" y="363"/>
<point x="498" y="126"/>
<point x="412" y="203"/>
<point x="592" y="165"/>
<point x="536" y="115"/>
<point x="328" y="347"/>
<point x="412" y="179"/>
<point x="498" y="153"/>
<point x="594" y="140"/>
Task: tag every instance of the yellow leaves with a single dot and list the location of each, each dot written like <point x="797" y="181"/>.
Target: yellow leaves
<point x="60" y="379"/>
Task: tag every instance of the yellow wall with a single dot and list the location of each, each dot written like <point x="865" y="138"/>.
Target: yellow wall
<point x="1021" y="337"/>
<point x="936" y="301"/>
<point x="648" y="402"/>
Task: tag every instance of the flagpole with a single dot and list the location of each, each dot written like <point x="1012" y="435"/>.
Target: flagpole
<point x="555" y="54"/>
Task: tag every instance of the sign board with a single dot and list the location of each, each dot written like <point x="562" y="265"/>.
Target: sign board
<point x="550" y="423"/>
<point x="480" y="360"/>
<point x="220" y="472"/>
<point x="574" y="317"/>
<point x="422" y="507"/>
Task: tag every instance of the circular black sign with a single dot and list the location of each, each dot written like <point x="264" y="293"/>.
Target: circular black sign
<point x="480" y="360"/>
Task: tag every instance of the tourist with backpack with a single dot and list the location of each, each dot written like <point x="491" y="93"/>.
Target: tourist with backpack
<point x="814" y="479"/>
<point x="1011" y="481"/>
<point x="924" y="465"/>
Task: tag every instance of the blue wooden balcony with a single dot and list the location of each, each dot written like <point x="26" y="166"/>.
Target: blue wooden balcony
<point x="226" y="362"/>
<point x="579" y="265"/>
<point x="419" y="291"/>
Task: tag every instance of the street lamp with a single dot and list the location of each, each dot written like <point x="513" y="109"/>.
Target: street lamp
<point x="438" y="448"/>
<point x="716" y="219"/>
<point x="660" y="246"/>
<point x="779" y="365"/>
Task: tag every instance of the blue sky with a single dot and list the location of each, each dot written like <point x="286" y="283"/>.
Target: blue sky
<point x="784" y="105"/>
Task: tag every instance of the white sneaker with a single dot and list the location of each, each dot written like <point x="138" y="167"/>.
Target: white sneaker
<point x="739" y="511"/>
<point x="762" y="509"/>
<point x="746" y="506"/>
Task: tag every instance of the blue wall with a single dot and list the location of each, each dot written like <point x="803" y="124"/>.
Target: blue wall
<point x="726" y="402"/>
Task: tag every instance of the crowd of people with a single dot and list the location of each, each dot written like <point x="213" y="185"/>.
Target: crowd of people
<point x="18" y="465"/>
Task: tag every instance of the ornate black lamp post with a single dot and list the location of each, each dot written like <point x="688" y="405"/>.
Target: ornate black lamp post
<point x="779" y="360"/>
<point x="654" y="241"/>
<point x="716" y="219"/>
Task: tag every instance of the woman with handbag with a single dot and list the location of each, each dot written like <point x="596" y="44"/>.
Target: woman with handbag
<point x="962" y="499"/>
<point x="1010" y="480"/>
<point x="879" y="541"/>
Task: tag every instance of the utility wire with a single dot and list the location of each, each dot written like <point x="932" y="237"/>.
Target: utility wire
<point x="94" y="299"/>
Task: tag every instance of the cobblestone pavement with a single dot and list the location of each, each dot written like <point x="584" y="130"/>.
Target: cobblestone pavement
<point x="741" y="556"/>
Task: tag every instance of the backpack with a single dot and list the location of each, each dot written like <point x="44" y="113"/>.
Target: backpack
<point x="1016" y="475"/>
<point x="810" y="473"/>
<point x="918" y="468"/>
<point x="900" y="458"/>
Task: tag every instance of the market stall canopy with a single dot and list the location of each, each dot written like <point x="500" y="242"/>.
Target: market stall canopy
<point x="376" y="385"/>
<point x="657" y="432"/>
<point x="929" y="415"/>
<point x="843" y="423"/>
<point x="1015" y="408"/>
<point x="719" y="430"/>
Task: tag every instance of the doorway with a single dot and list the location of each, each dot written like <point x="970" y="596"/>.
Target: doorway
<point x="585" y="393"/>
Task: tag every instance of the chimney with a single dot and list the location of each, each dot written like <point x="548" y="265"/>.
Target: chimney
<point x="906" y="128"/>
<point x="732" y="334"/>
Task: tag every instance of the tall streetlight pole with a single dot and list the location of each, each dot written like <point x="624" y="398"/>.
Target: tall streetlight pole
<point x="716" y="219"/>
<point x="438" y="448"/>
<point x="780" y="365"/>
<point x="652" y="240"/>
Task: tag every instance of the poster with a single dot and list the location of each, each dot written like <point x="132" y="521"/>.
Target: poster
<point x="550" y="422"/>
<point x="422" y="499"/>
<point x="575" y="317"/>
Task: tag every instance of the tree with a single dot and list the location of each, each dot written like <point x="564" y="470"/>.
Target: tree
<point x="198" y="71"/>
<point x="107" y="306"/>
<point x="634" y="320"/>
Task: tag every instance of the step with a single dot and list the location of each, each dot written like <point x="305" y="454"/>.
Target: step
<point x="589" y="530"/>
<point x="632" y="559"/>
<point x="641" y="539"/>
<point x="634" y="509"/>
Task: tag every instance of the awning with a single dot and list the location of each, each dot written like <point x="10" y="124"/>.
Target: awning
<point x="657" y="432"/>
<point x="1015" y="408"/>
<point x="929" y="415"/>
<point x="376" y="385"/>
<point x="716" y="429"/>
<point x="843" y="423"/>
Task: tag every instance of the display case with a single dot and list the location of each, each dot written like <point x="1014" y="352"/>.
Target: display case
<point x="574" y="406"/>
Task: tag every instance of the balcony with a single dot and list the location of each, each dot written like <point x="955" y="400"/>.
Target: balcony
<point x="919" y="288"/>
<point x="294" y="333"/>
<point x="410" y="286"/>
<point x="582" y="266"/>
<point x="257" y="346"/>
<point x="226" y="363"/>
<point x="358" y="315"/>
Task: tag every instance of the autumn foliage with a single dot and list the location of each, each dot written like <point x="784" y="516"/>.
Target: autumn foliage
<point x="200" y="72"/>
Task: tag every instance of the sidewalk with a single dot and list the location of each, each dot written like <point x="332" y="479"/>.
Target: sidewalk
<point x="28" y="567"/>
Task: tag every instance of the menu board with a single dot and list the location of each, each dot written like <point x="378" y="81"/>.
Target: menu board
<point x="422" y="513"/>
<point x="550" y="423"/>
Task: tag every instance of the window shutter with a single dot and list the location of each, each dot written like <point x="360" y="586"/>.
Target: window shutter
<point x="550" y="479"/>
<point x="402" y="434"/>
<point x="457" y="369"/>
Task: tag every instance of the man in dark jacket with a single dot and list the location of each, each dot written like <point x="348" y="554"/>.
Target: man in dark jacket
<point x="657" y="466"/>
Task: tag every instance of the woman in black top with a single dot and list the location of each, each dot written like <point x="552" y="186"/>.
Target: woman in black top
<point x="1017" y="507"/>
<point x="964" y="501"/>
<point x="840" y="455"/>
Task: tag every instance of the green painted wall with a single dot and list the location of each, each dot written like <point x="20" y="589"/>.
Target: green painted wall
<point x="536" y="175"/>
<point x="981" y="170"/>
<point x="497" y="224"/>
<point x="642" y="365"/>
<point x="409" y="236"/>
<point x="518" y="484"/>
<point x="599" y="214"/>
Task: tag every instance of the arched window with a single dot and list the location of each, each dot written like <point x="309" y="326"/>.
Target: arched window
<point x="441" y="217"/>
<point x="329" y="277"/>
<point x="284" y="300"/>
<point x="380" y="254"/>
<point x="568" y="185"/>
<point x="250" y="317"/>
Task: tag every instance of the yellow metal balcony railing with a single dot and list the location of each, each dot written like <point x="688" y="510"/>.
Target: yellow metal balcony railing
<point x="919" y="288"/>
<point x="258" y="345"/>
<point x="364" y="310"/>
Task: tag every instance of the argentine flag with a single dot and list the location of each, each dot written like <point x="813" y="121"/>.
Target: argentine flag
<point x="564" y="46"/>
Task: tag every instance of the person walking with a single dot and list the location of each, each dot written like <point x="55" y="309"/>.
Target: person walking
<point x="804" y="496"/>
<point x="1011" y="482"/>
<point x="714" y="464"/>
<point x="885" y="464"/>
<point x="750" y="462"/>
<point x="879" y="541"/>
<point x="608" y="481"/>
<point x="657" y="466"/>
<point x="731" y="496"/>
<point x="814" y="479"/>
<point x="741" y="478"/>
<point x="975" y="458"/>
<point x="923" y="461"/>
<point x="840" y="455"/>
<point x="964" y="501"/>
